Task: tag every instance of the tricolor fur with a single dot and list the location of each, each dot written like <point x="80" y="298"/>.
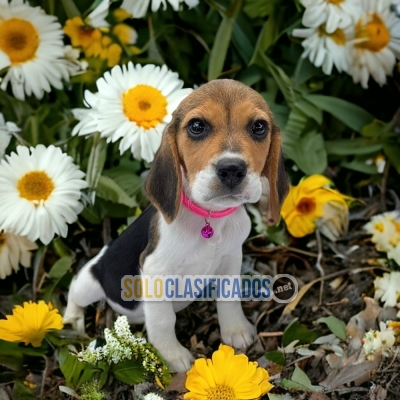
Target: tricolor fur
<point x="225" y="165"/>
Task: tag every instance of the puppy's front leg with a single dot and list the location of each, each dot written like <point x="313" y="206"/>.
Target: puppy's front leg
<point x="160" y="324"/>
<point x="236" y="330"/>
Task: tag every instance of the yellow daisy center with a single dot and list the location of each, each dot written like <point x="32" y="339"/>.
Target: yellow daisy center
<point x="339" y="37"/>
<point x="145" y="105"/>
<point x="379" y="227"/>
<point x="35" y="185"/>
<point x="19" y="39"/>
<point x="306" y="206"/>
<point x="375" y="34"/>
<point x="221" y="392"/>
<point x="335" y="2"/>
<point x="2" y="239"/>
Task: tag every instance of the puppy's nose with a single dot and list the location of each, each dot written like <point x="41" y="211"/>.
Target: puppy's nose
<point x="231" y="172"/>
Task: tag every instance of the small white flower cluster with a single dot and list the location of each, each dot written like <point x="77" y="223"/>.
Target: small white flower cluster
<point x="385" y="231"/>
<point x="379" y="342"/>
<point x="121" y="345"/>
<point x="152" y="396"/>
<point x="387" y="289"/>
<point x="360" y="37"/>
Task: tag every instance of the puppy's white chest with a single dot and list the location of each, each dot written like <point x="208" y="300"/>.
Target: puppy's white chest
<point x="182" y="250"/>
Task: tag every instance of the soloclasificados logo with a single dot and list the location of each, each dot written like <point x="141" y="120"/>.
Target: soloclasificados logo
<point x="282" y="288"/>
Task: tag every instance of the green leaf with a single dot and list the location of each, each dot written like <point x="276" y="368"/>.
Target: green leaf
<point x="335" y="325"/>
<point x="129" y="371"/>
<point x="243" y="37"/>
<point x="305" y="70"/>
<point x="300" y="381"/>
<point x="125" y="178"/>
<point x="76" y="372"/>
<point x="350" y="147"/>
<point x="20" y="391"/>
<point x="60" y="267"/>
<point x="70" y="8"/>
<point x="269" y="33"/>
<point x="260" y="8"/>
<point x="97" y="158"/>
<point x="359" y="164"/>
<point x="295" y="125"/>
<point x="309" y="109"/>
<point x="375" y="129"/>
<point x="272" y="396"/>
<point x="308" y="152"/>
<point x="16" y="349"/>
<point x="57" y="272"/>
<point x="350" y="114"/>
<point x="109" y="190"/>
<point x="275" y="356"/>
<point x="392" y="152"/>
<point x="298" y="331"/>
<point x="220" y="47"/>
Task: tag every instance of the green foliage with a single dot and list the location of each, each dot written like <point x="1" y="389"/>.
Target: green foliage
<point x="275" y="356"/>
<point x="299" y="332"/>
<point x="300" y="381"/>
<point x="129" y="371"/>
<point x="335" y="325"/>
<point x="76" y="372"/>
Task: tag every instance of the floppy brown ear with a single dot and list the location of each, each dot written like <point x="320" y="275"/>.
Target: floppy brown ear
<point x="164" y="183"/>
<point x="274" y="170"/>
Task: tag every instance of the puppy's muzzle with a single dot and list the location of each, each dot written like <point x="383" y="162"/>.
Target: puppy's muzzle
<point x="231" y="171"/>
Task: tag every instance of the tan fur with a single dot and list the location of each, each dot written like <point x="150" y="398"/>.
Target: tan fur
<point x="229" y="107"/>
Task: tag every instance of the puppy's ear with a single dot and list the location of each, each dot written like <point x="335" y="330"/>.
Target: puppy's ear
<point x="164" y="183"/>
<point x="278" y="182"/>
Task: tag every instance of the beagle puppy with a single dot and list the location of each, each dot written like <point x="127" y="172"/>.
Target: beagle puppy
<point x="221" y="150"/>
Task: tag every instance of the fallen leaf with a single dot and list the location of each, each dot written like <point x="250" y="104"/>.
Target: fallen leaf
<point x="178" y="382"/>
<point x="362" y="322"/>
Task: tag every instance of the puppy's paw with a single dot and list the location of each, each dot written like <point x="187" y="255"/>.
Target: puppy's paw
<point x="75" y="316"/>
<point x="238" y="334"/>
<point x="178" y="359"/>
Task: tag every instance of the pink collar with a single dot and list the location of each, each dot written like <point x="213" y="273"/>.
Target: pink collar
<point x="196" y="209"/>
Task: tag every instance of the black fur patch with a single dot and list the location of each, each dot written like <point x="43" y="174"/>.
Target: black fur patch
<point x="122" y="258"/>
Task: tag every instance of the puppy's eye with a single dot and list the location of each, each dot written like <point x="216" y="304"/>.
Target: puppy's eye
<point x="259" y="129"/>
<point x="197" y="127"/>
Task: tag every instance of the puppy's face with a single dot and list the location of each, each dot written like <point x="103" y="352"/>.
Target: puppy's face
<point x="220" y="146"/>
<point x="223" y="140"/>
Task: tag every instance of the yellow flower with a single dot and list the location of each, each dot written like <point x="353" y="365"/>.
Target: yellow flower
<point x="105" y="49"/>
<point x="81" y="35"/>
<point x="30" y="323"/>
<point x="227" y="376"/>
<point x="311" y="200"/>
<point x="395" y="325"/>
<point x="121" y="15"/>
<point x="125" y="34"/>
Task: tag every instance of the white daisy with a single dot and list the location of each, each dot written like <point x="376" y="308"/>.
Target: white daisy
<point x="325" y="49"/>
<point x="394" y="253"/>
<point x="14" y="250"/>
<point x="138" y="8"/>
<point x="376" y="43"/>
<point x="133" y="103"/>
<point x="41" y="188"/>
<point x="74" y="65"/>
<point x="97" y="18"/>
<point x="6" y="131"/>
<point x="31" y="47"/>
<point x="387" y="288"/>
<point x="333" y="13"/>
